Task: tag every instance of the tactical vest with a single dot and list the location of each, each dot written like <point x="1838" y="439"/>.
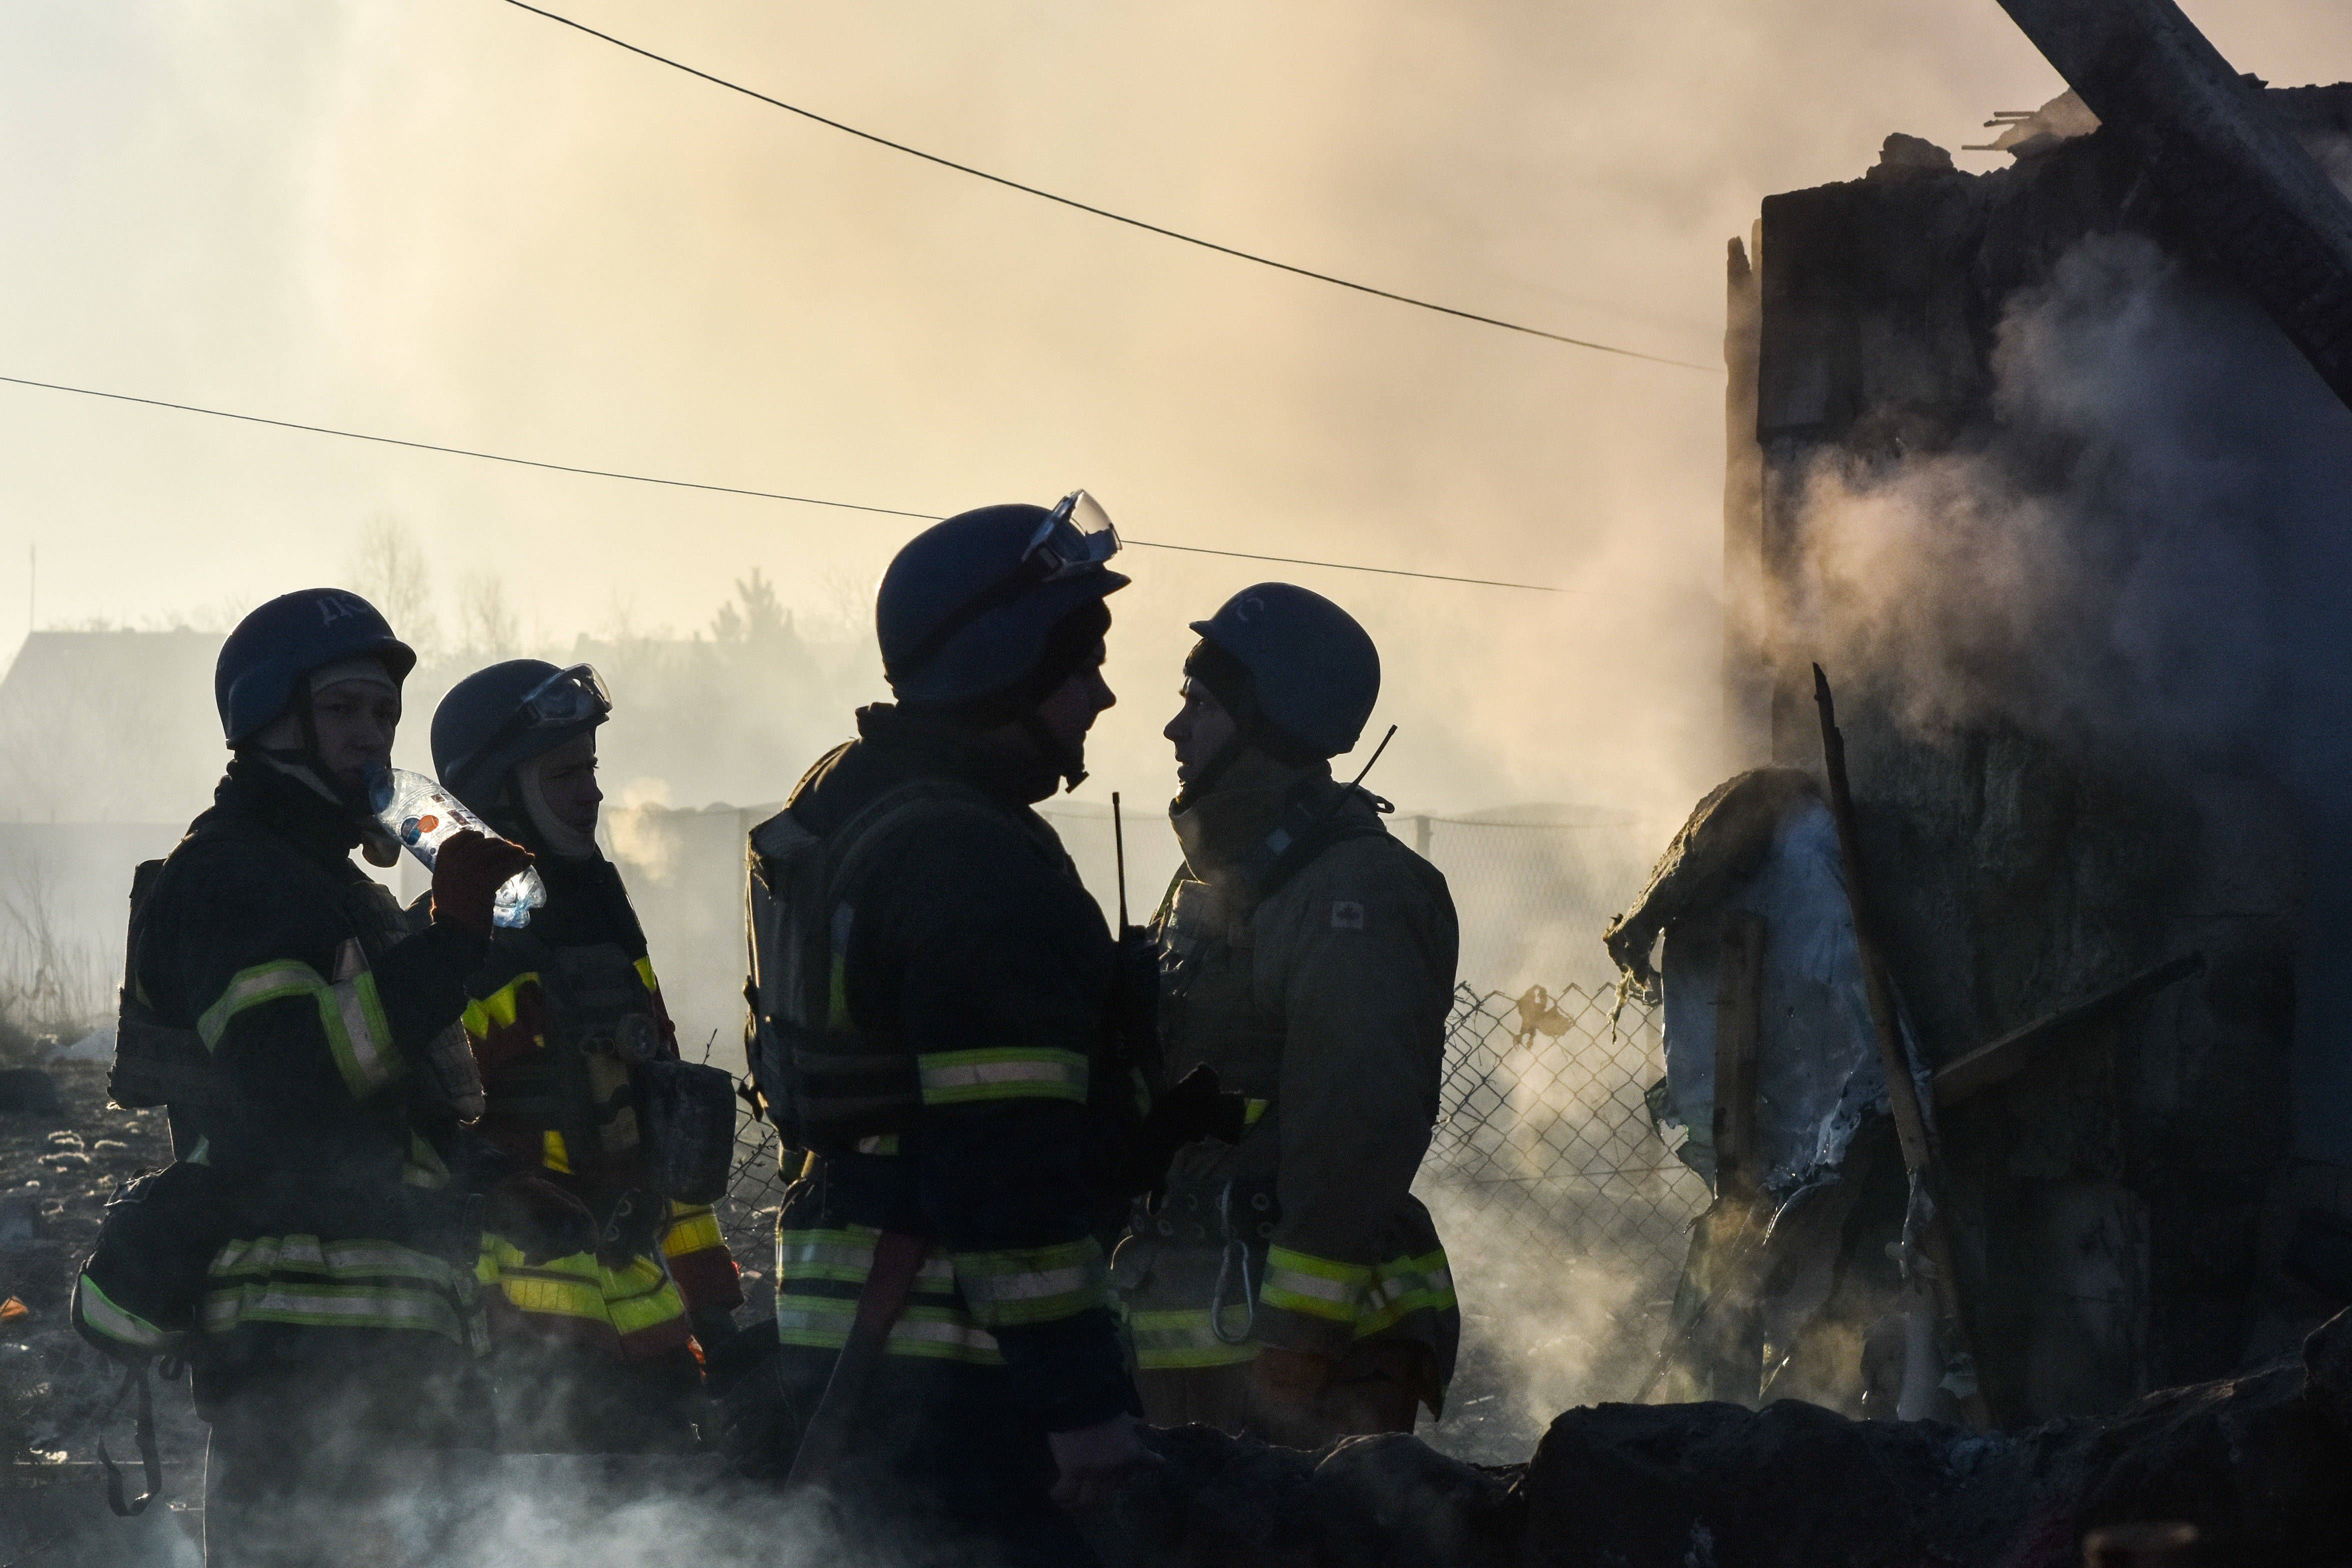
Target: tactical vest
<point x="825" y="1084"/>
<point x="602" y="1080"/>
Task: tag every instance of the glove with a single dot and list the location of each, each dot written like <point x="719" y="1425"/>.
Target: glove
<point x="1195" y="1109"/>
<point x="540" y="1217"/>
<point x="467" y="873"/>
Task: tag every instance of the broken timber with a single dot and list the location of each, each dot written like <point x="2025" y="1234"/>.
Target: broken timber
<point x="2239" y="183"/>
<point x="2014" y="1053"/>
<point x="1911" y="1126"/>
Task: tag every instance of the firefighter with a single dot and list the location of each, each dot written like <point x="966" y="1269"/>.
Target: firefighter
<point x="341" y="1317"/>
<point x="592" y="1302"/>
<point x="1291" y="1286"/>
<point x="950" y="1069"/>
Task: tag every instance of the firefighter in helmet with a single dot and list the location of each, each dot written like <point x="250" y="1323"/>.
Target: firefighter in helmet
<point x="1291" y="1286"/>
<point x="931" y="1001"/>
<point x="339" y="1319"/>
<point x="598" y="1286"/>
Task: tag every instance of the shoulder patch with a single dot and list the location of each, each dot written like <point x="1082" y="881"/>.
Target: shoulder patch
<point x="1347" y="914"/>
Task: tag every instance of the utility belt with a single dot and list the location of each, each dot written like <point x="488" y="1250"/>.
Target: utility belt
<point x="1237" y="1217"/>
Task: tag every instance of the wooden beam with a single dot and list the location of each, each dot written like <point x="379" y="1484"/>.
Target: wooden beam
<point x="2013" y="1053"/>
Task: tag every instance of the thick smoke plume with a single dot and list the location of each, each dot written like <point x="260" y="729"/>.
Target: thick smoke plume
<point x="2144" y="554"/>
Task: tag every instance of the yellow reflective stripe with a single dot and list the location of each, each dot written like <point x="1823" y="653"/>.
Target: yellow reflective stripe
<point x="1319" y="1287"/>
<point x="261" y="1256"/>
<point x="1167" y="1339"/>
<point x="646" y="974"/>
<point x="848" y="1256"/>
<point x="822" y="1322"/>
<point x="554" y="1153"/>
<point x="1403" y="1287"/>
<point x="423" y="1166"/>
<point x="636" y="1296"/>
<point x="1252" y="1109"/>
<point x="500" y="1008"/>
<point x="333" y="1306"/>
<point x="692" y="1229"/>
<point x="1033" y="1284"/>
<point x="349" y="1013"/>
<point x="95" y="1309"/>
<point x="1001" y="1073"/>
<point x="880" y="1144"/>
<point x="836" y="1007"/>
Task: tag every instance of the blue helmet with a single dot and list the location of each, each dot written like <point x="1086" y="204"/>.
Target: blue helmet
<point x="1312" y="672"/>
<point x="263" y="662"/>
<point x="968" y="607"/>
<point x="499" y="717"/>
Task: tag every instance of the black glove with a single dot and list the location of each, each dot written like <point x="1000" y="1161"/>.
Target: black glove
<point x="1192" y="1110"/>
<point x="540" y="1217"/>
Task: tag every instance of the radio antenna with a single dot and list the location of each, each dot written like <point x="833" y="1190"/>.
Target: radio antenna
<point x="1118" y="847"/>
<point x="1359" y="778"/>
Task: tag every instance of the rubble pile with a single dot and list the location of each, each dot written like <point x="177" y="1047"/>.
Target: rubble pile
<point x="2257" y="1464"/>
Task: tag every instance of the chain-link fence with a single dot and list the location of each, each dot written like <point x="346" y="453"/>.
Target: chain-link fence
<point x="1544" y="1128"/>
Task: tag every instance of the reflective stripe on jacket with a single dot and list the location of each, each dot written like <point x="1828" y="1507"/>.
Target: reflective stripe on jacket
<point x="575" y="1298"/>
<point x="1325" y="998"/>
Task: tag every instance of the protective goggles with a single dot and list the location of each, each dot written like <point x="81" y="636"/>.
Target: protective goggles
<point x="1076" y="535"/>
<point x="572" y="696"/>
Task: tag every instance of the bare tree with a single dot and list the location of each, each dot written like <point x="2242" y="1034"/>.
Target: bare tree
<point x="388" y="569"/>
<point x="488" y="627"/>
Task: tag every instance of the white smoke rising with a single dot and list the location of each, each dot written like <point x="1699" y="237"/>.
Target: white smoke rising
<point x="2129" y="559"/>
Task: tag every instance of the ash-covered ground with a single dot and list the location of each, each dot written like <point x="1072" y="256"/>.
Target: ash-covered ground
<point x="58" y="1165"/>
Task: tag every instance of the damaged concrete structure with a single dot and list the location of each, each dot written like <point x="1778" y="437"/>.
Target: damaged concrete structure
<point x="2027" y="461"/>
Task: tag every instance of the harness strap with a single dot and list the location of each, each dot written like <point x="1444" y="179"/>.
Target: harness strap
<point x="151" y="1459"/>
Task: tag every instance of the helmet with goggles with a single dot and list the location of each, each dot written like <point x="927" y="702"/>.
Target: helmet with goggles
<point x="968" y="607"/>
<point x="499" y="717"/>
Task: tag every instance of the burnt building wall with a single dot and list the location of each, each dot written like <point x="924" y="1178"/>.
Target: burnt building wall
<point x="2121" y="1207"/>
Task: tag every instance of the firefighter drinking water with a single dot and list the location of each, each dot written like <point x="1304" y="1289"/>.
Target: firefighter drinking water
<point x="1291" y="1286"/>
<point x="306" y="1253"/>
<point x="596" y="1279"/>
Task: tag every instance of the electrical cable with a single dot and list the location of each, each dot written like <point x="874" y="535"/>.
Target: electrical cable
<point x="725" y="489"/>
<point x="1073" y="201"/>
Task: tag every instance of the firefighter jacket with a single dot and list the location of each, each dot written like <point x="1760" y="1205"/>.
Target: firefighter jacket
<point x="968" y="940"/>
<point x="1318" y="986"/>
<point x="556" y="1017"/>
<point x="344" y="1248"/>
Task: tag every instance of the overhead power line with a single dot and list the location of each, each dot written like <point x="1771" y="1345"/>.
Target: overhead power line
<point x="1073" y="201"/>
<point x="723" y="489"/>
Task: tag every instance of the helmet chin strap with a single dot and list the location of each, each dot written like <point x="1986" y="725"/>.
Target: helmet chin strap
<point x="304" y="762"/>
<point x="559" y="838"/>
<point x="1199" y="787"/>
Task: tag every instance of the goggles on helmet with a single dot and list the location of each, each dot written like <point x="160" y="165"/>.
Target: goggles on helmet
<point x="566" y="697"/>
<point x="1076" y="534"/>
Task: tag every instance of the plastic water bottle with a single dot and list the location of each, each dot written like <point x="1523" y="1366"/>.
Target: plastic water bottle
<point x="422" y="815"/>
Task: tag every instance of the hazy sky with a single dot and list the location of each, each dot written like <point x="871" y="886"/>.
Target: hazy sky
<point x="452" y="220"/>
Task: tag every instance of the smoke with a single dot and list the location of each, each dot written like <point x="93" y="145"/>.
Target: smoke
<point x="2141" y="554"/>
